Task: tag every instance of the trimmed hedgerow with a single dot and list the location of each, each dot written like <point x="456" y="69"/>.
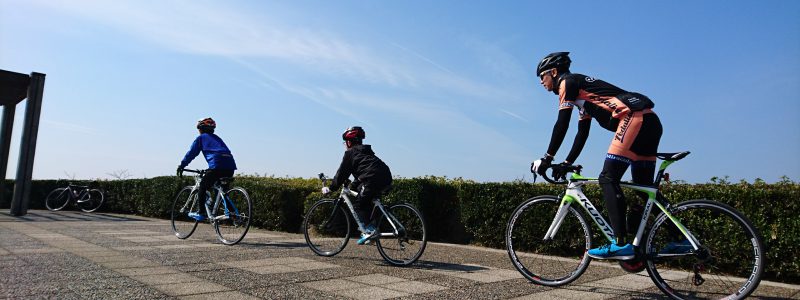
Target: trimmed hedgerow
<point x="456" y="210"/>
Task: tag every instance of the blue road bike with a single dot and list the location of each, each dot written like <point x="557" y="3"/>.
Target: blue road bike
<point x="231" y="210"/>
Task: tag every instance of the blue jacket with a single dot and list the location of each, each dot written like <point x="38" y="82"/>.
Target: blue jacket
<point x="214" y="149"/>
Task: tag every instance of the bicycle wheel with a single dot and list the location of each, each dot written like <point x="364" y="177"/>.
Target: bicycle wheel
<point x="405" y="245"/>
<point x="327" y="227"/>
<point x="91" y="201"/>
<point x="232" y="216"/>
<point x="728" y="264"/>
<point x="552" y="262"/>
<point x="57" y="199"/>
<point x="185" y="202"/>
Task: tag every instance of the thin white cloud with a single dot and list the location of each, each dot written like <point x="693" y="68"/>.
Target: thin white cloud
<point x="71" y="127"/>
<point x="516" y="116"/>
<point x="205" y="28"/>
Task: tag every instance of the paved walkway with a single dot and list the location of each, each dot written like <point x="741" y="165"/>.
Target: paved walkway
<point x="74" y="255"/>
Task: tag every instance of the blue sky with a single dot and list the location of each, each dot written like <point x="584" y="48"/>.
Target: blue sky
<point x="442" y="88"/>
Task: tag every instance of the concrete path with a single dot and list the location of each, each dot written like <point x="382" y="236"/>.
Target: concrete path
<point x="74" y="255"/>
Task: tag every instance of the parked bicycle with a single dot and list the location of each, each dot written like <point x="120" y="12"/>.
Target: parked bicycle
<point x="231" y="211"/>
<point x="86" y="199"/>
<point x="681" y="248"/>
<point x="327" y="227"/>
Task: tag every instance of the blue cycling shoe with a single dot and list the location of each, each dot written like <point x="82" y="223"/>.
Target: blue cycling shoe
<point x="367" y="235"/>
<point x="677" y="248"/>
<point x="612" y="251"/>
<point x="197" y="216"/>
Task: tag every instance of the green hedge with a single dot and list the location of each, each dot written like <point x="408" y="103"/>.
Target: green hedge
<point x="459" y="211"/>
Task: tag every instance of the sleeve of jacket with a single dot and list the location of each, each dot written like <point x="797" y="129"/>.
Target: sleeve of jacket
<point x="345" y="169"/>
<point x="194" y="150"/>
<point x="580" y="140"/>
<point x="559" y="131"/>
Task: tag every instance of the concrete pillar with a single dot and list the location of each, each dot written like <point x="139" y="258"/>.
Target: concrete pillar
<point x="6" y="129"/>
<point x="27" y="149"/>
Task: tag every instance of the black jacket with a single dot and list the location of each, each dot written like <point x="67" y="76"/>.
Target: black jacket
<point x="362" y="163"/>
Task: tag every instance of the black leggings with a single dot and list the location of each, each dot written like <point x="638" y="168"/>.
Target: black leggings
<point x="616" y="205"/>
<point x="642" y="171"/>
<point x="367" y="194"/>
<point x="211" y="176"/>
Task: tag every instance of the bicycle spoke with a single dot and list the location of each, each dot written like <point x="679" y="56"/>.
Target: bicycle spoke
<point x="232" y="217"/>
<point x="57" y="199"/>
<point x="326" y="228"/>
<point x="405" y="247"/>
<point x="185" y="202"/>
<point x="537" y="259"/>
<point x="723" y="274"/>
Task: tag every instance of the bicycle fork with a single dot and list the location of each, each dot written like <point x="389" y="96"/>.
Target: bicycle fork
<point x="563" y="209"/>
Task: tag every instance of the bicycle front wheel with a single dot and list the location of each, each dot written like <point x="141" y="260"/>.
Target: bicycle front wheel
<point x="91" y="201"/>
<point x="232" y="216"/>
<point x="403" y="238"/>
<point x="728" y="264"/>
<point x="185" y="202"/>
<point x="57" y="199"/>
<point x="555" y="261"/>
<point x="327" y="227"/>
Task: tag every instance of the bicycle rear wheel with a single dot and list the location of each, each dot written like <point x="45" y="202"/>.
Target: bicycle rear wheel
<point x="404" y="246"/>
<point x="185" y="202"/>
<point x="232" y="216"/>
<point x="553" y="262"/>
<point x="327" y="227"/>
<point x="91" y="201"/>
<point x="728" y="264"/>
<point x="57" y="199"/>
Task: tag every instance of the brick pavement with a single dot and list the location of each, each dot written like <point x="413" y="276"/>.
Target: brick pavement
<point x="75" y="255"/>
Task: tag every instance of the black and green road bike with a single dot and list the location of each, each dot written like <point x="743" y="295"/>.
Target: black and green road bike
<point x="697" y="249"/>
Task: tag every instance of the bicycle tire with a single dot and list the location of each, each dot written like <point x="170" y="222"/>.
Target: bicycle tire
<point x="705" y="274"/>
<point x="185" y="202"/>
<point x="57" y="199"/>
<point x="327" y="227"/>
<point x="91" y="201"/>
<point x="536" y="258"/>
<point x="406" y="247"/>
<point x="233" y="216"/>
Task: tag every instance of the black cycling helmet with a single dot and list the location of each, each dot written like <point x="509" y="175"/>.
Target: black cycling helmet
<point x="355" y="133"/>
<point x="558" y="60"/>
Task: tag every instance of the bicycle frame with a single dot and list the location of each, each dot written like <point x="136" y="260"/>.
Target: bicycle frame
<point x="574" y="194"/>
<point x="345" y="196"/>
<point x="220" y="198"/>
<point x="72" y="191"/>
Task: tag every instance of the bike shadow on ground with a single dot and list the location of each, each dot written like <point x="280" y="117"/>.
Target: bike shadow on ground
<point x="65" y="216"/>
<point x="446" y="267"/>
<point x="271" y="244"/>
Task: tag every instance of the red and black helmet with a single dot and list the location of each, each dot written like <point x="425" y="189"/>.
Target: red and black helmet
<point x="355" y="133"/>
<point x="207" y="123"/>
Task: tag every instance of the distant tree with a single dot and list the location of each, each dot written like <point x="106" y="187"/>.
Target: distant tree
<point x="120" y="174"/>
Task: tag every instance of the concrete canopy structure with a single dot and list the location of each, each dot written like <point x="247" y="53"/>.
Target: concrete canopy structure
<point x="15" y="87"/>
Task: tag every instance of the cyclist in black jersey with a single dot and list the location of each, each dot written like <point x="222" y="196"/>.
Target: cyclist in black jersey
<point x="635" y="142"/>
<point x="372" y="177"/>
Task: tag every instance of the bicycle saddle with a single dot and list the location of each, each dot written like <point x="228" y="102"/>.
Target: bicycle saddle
<point x="225" y="181"/>
<point x="672" y="156"/>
